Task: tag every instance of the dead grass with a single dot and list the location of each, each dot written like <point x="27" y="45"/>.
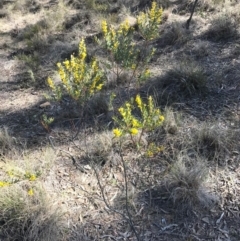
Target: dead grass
<point x="186" y="168"/>
<point x="201" y="49"/>
<point x="186" y="183"/>
<point x="188" y="79"/>
<point x="171" y="121"/>
<point x="98" y="105"/>
<point x="174" y="34"/>
<point x="39" y="35"/>
<point x="25" y="217"/>
<point x="223" y="27"/>
<point x="6" y="142"/>
<point x="99" y="146"/>
<point x="213" y="141"/>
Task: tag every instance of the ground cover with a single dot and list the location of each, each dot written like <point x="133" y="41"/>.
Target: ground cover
<point x="68" y="171"/>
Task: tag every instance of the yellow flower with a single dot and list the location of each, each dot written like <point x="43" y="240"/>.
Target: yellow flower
<point x="82" y="50"/>
<point x="104" y="27"/>
<point x="152" y="11"/>
<point x="134" y="131"/>
<point x="149" y="153"/>
<point x="161" y="118"/>
<point x="50" y="83"/>
<point x="122" y="112"/>
<point x="147" y="73"/>
<point x="135" y="123"/>
<point x="115" y="45"/>
<point x="4" y="184"/>
<point x="99" y="87"/>
<point x="117" y="132"/>
<point x="59" y="65"/>
<point x="67" y="64"/>
<point x="94" y="65"/>
<point x="32" y="177"/>
<point x="133" y="66"/>
<point x="30" y="192"/>
<point x="140" y="19"/>
<point x="62" y="74"/>
<point x="139" y="101"/>
<point x="124" y="28"/>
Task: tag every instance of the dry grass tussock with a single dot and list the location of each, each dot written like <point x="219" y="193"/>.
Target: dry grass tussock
<point x="28" y="217"/>
<point x="174" y="34"/>
<point x="214" y="140"/>
<point x="187" y="183"/>
<point x="184" y="80"/>
<point x="27" y="211"/>
<point x="223" y="27"/>
<point x="6" y="142"/>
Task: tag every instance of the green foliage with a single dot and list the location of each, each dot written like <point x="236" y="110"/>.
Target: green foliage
<point x="149" y="22"/>
<point x="97" y="6"/>
<point x="81" y="80"/>
<point x="153" y="150"/>
<point x="119" y="43"/>
<point x="32" y="60"/>
<point x="46" y="121"/>
<point x="124" y="53"/>
<point x="128" y="123"/>
<point x="78" y="78"/>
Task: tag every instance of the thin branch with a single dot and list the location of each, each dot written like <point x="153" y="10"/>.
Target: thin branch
<point x="192" y="11"/>
<point x="126" y="198"/>
<point x="128" y="217"/>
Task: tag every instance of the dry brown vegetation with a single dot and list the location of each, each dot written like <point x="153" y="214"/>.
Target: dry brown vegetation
<point x="70" y="180"/>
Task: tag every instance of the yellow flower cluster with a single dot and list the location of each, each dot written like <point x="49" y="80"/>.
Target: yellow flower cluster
<point x="4" y="184"/>
<point x="155" y="13"/>
<point x="30" y="192"/>
<point x="119" y="43"/>
<point x="104" y="26"/>
<point x="129" y="124"/>
<point x="117" y="132"/>
<point x="30" y="176"/>
<point x="133" y="131"/>
<point x="151" y="117"/>
<point x="124" y="28"/>
<point x="79" y="78"/>
<point x="148" y="23"/>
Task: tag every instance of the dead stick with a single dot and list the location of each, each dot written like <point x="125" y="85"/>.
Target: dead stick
<point x="189" y="20"/>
